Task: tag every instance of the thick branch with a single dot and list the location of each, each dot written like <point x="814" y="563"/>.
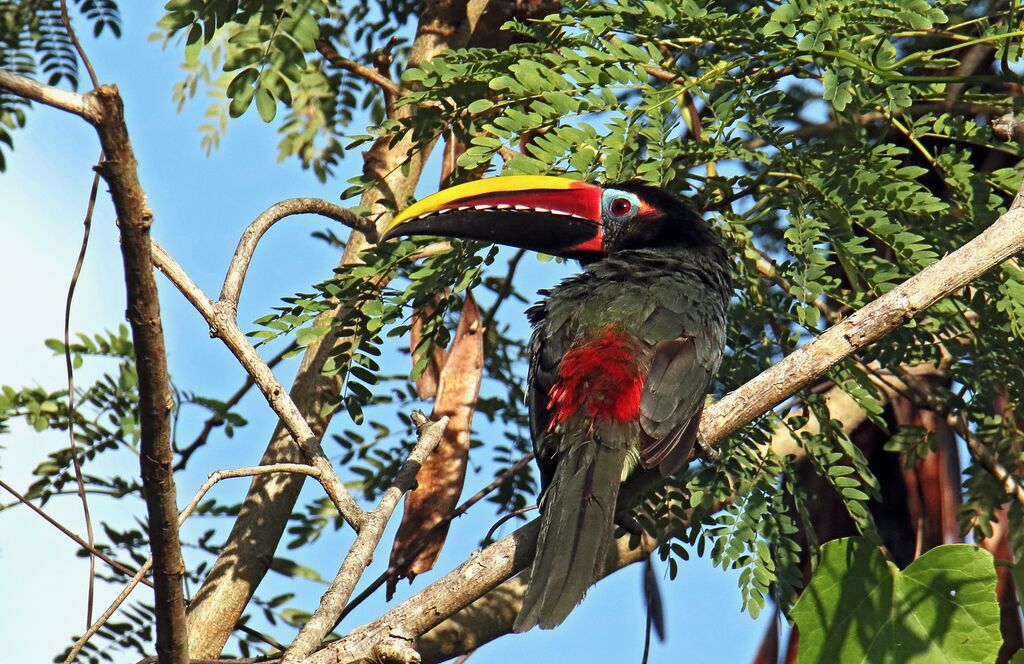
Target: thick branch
<point x="487" y="569"/>
<point x="481" y="573"/>
<point x="119" y="169"/>
<point x="1000" y="241"/>
<point x="360" y="554"/>
<point x="491" y="617"/>
<point x="275" y="213"/>
<point x="84" y="106"/>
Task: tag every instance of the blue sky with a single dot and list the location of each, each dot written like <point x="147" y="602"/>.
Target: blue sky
<point x="201" y="205"/>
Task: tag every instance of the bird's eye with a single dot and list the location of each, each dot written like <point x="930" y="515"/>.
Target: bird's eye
<point x="620" y="207"/>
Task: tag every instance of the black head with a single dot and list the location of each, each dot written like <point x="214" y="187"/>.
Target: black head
<point x="636" y="215"/>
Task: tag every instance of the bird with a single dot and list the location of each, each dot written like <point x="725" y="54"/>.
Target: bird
<point x="622" y="354"/>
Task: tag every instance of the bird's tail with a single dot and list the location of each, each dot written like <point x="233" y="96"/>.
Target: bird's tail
<point x="575" y="532"/>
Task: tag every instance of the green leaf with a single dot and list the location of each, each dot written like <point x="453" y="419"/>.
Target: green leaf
<point x="479" y="106"/>
<point x="860" y="608"/>
<point x="292" y="568"/>
<point x="265" y="104"/>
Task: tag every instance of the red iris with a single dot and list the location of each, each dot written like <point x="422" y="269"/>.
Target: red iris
<point x="620" y="207"/>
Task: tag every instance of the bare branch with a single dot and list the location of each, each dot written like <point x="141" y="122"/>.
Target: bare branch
<point x="119" y="169"/>
<point x="368" y="74"/>
<point x="66" y="20"/>
<point x="220" y="317"/>
<point x="445" y="520"/>
<point x="84" y="106"/>
<point x="116" y="566"/>
<point x="185" y="514"/>
<point x="186" y="452"/>
<point x="395" y="168"/>
<point x="70" y="369"/>
<point x="481" y="573"/>
<point x="360" y="554"/>
<point x="87" y="223"/>
<point x="275" y="213"/>
<point x="492" y="616"/>
<point x="1001" y="240"/>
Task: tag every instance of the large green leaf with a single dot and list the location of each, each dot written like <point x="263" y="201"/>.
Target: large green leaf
<point x="859" y="607"/>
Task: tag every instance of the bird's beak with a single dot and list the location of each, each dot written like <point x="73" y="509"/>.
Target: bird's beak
<point x="550" y="214"/>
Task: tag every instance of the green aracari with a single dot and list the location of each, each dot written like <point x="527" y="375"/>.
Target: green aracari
<point x="621" y="357"/>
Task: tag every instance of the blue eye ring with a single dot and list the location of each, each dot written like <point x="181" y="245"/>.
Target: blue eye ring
<point x="619" y="205"/>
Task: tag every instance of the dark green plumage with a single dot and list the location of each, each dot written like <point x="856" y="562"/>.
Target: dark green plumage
<point x="653" y="309"/>
<point x="621" y="354"/>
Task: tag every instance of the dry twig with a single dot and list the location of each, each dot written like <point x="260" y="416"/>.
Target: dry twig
<point x="361" y="553"/>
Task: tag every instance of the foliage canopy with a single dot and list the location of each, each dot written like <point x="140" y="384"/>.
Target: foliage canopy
<point x="839" y="146"/>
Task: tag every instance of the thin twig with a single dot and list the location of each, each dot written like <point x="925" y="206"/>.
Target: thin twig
<point x="766" y="267"/>
<point x="368" y="74"/>
<point x="497" y="482"/>
<point x="70" y="369"/>
<point x="360" y="554"/>
<point x="186" y="452"/>
<point x="251" y="236"/>
<point x="185" y="514"/>
<point x="989" y="461"/>
<point x="116" y="566"/>
<point x="503" y="290"/>
<point x="505" y="518"/>
<point x="220" y="316"/>
<point x="66" y="19"/>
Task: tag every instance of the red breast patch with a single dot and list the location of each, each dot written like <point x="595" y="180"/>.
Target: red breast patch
<point x="599" y="375"/>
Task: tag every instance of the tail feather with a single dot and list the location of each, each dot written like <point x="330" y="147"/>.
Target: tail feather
<point x="575" y="533"/>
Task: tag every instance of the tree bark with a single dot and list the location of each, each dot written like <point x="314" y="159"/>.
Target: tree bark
<point x="134" y="218"/>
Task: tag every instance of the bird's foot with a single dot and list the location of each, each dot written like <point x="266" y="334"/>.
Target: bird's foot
<point x="708" y="453"/>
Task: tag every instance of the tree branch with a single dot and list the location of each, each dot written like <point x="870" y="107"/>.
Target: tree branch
<point x="251" y="235"/>
<point x="445" y="520"/>
<point x="368" y="74"/>
<point x="120" y="170"/>
<point x="360" y="554"/>
<point x="492" y="616"/>
<point x="221" y="318"/>
<point x="84" y="106"/>
<point x="84" y="57"/>
<point x="185" y="514"/>
<point x="485" y="570"/>
<point x="1001" y="240"/>
<point x="186" y="452"/>
<point x="116" y="566"/>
